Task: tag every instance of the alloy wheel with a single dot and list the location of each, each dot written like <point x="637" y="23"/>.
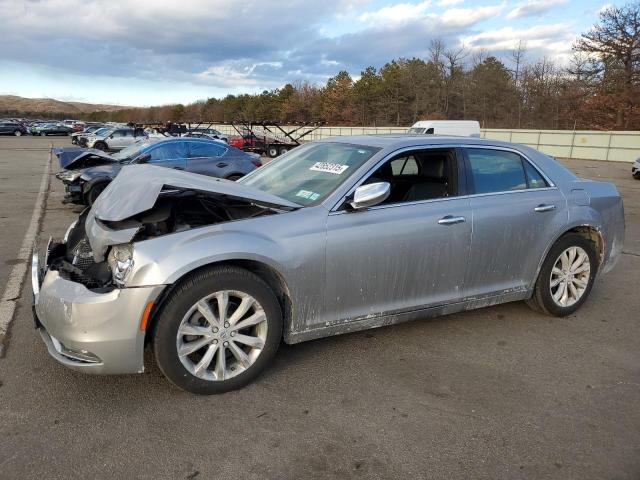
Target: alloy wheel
<point x="570" y="276"/>
<point x="222" y="335"/>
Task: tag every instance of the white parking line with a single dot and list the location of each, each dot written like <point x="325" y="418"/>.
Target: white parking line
<point x="12" y="290"/>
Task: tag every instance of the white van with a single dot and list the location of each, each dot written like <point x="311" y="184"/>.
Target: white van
<point x="459" y="128"/>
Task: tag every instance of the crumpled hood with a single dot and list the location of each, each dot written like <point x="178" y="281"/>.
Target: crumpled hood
<point x="68" y="156"/>
<point x="136" y="189"/>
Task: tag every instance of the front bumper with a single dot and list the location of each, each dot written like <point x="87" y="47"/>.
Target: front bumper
<point x="73" y="192"/>
<point x="90" y="331"/>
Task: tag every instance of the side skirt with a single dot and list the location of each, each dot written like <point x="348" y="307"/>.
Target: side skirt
<point x="375" y="321"/>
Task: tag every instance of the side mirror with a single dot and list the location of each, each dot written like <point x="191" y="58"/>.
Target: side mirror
<point x="370" y="195"/>
<point x="143" y="158"/>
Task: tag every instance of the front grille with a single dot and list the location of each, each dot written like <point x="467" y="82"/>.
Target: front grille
<point x="82" y="254"/>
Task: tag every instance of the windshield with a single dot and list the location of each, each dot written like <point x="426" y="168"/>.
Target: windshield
<point x="309" y="173"/>
<point x="131" y="151"/>
<point x="416" y="130"/>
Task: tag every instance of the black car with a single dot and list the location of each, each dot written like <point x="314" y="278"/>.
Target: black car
<point x="87" y="172"/>
<point x="12" y="128"/>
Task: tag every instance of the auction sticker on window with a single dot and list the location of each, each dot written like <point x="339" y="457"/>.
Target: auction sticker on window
<point x="308" y="195"/>
<point x="328" y="167"/>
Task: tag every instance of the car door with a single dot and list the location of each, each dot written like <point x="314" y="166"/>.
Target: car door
<point x="4" y="127"/>
<point x="206" y="158"/>
<point x="516" y="213"/>
<point x="172" y="154"/>
<point x="407" y="253"/>
<point x="116" y="140"/>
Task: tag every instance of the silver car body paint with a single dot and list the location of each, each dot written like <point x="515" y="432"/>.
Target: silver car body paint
<point x="347" y="271"/>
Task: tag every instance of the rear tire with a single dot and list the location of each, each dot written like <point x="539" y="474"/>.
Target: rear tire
<point x="17" y="133"/>
<point x="283" y="150"/>
<point x="636" y="175"/>
<point x="214" y="359"/>
<point x="100" y="146"/>
<point x="43" y="134"/>
<point x="272" y="151"/>
<point x="557" y="273"/>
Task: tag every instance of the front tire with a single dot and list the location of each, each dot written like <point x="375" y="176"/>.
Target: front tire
<point x="43" y="134"/>
<point x="101" y="146"/>
<point x="218" y="331"/>
<point x="17" y="133"/>
<point x="566" y="277"/>
<point x="95" y="191"/>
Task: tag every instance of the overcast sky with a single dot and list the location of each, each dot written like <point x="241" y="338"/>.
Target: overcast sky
<point x="151" y="52"/>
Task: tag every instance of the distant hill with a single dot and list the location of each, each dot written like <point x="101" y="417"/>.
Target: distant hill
<point x="13" y="103"/>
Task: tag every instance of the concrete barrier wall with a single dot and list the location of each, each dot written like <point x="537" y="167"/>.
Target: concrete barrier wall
<point x="579" y="144"/>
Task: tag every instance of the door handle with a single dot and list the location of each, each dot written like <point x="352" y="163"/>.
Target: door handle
<point x="451" y="220"/>
<point x="544" y="208"/>
<point x="222" y="165"/>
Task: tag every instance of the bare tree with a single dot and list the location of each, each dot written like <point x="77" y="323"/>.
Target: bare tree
<point x="615" y="43"/>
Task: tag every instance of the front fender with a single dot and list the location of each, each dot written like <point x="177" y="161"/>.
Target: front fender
<point x="164" y="260"/>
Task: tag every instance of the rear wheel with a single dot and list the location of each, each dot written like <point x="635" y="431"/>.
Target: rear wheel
<point x="636" y="175"/>
<point x="272" y="151"/>
<point x="283" y="150"/>
<point x="218" y="330"/>
<point x="17" y="133"/>
<point x="101" y="146"/>
<point x="566" y="276"/>
<point x="43" y="134"/>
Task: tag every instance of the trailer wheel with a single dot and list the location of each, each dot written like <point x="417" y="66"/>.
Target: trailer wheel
<point x="283" y="150"/>
<point x="272" y="151"/>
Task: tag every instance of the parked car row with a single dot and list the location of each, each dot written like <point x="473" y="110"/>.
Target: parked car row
<point x="86" y="172"/>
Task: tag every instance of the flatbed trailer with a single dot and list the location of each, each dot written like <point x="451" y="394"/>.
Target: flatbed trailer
<point x="270" y="138"/>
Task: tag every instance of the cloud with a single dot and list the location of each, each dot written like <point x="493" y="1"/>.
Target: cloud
<point x="534" y="7"/>
<point x="423" y="12"/>
<point x="240" y="46"/>
<point x="554" y="40"/>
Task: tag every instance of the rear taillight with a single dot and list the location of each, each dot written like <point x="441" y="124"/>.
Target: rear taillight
<point x="257" y="162"/>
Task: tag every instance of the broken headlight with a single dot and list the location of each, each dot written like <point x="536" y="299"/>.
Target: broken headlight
<point x="69" y="175"/>
<point x="120" y="261"/>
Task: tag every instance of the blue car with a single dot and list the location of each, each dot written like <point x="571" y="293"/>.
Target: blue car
<point x="86" y="172"/>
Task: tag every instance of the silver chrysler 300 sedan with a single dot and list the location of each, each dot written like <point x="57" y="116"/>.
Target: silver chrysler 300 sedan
<point x="335" y="236"/>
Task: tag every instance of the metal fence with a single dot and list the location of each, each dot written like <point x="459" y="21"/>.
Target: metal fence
<point x="579" y="144"/>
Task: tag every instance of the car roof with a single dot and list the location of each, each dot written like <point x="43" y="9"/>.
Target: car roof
<point x="408" y="140"/>
<point x="189" y="139"/>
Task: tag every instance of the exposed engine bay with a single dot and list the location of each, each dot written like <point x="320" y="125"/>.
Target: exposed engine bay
<point x="175" y="210"/>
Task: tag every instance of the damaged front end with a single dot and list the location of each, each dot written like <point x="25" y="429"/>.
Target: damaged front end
<point x="142" y="203"/>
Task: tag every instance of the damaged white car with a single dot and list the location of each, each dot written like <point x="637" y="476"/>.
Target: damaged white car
<point x="335" y="236"/>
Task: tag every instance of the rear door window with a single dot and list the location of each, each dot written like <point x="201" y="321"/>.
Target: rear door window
<point x="495" y="171"/>
<point x="168" y="151"/>
<point x="534" y="179"/>
<point x="206" y="149"/>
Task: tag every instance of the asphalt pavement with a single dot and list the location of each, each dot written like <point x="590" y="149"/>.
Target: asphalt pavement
<point x="496" y="393"/>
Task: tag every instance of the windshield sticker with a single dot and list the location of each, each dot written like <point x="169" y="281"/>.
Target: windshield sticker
<point x="308" y="195"/>
<point x="327" y="167"/>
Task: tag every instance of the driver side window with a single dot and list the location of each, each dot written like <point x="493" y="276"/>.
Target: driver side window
<point x="419" y="175"/>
